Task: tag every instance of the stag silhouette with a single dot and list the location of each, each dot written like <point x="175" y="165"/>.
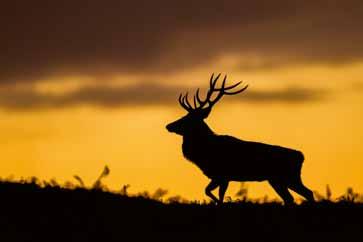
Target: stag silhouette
<point x="224" y="158"/>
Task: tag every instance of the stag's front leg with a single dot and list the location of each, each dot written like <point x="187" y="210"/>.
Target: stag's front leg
<point x="208" y="190"/>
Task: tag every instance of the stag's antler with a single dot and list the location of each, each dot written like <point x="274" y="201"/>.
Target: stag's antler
<point x="200" y="104"/>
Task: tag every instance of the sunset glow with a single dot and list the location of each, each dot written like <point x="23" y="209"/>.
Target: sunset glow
<point x="70" y="108"/>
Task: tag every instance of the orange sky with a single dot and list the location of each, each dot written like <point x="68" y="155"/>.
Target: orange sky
<point x="87" y="90"/>
<point x="134" y="143"/>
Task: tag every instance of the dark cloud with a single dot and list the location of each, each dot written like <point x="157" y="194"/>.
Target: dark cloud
<point x="103" y="95"/>
<point x="138" y="95"/>
<point x="43" y="38"/>
<point x="286" y="95"/>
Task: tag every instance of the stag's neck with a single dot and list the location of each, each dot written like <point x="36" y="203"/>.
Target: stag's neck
<point x="198" y="135"/>
<point x="195" y="144"/>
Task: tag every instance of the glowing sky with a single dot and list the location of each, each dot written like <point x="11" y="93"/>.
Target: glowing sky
<point x="83" y="85"/>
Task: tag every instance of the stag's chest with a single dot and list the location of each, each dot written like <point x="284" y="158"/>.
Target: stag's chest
<point x="201" y="154"/>
<point x="196" y="150"/>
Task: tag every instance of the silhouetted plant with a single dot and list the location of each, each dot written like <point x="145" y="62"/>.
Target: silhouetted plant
<point x="327" y="197"/>
<point x="229" y="199"/>
<point x="328" y="193"/>
<point x="319" y="196"/>
<point x="10" y="178"/>
<point x="45" y="184"/>
<point x="242" y="193"/>
<point x="98" y="183"/>
<point x="80" y="181"/>
<point x="69" y="185"/>
<point x="176" y="199"/>
<point x="124" y="189"/>
<point x="53" y="182"/>
<point x="265" y="199"/>
<point x="22" y="180"/>
<point x="144" y="194"/>
<point x="34" y="180"/>
<point x="159" y="194"/>
<point x="349" y="196"/>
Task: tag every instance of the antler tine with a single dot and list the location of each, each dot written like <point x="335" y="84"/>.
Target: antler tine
<point x="211" y="79"/>
<point x="186" y="105"/>
<point x="236" y="92"/>
<point x="229" y="87"/>
<point x="201" y="103"/>
<point x="195" y="102"/>
<point x="233" y="86"/>
<point x="182" y="103"/>
<point x="223" y="89"/>
<point x="213" y="82"/>
<point x="198" y="98"/>
<point x="220" y="93"/>
<point x="180" y="99"/>
<point x="224" y="82"/>
<point x="187" y="101"/>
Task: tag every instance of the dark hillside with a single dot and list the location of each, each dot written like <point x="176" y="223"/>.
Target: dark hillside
<point x="33" y="213"/>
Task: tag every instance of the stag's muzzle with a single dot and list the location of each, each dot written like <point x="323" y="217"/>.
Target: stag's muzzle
<point x="169" y="127"/>
<point x="173" y="127"/>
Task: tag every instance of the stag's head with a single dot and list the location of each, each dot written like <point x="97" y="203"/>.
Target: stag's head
<point x="193" y="122"/>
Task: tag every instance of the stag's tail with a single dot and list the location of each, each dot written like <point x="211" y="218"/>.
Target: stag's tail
<point x="299" y="161"/>
<point x="300" y="157"/>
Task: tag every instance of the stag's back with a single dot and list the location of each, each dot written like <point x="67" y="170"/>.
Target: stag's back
<point x="234" y="159"/>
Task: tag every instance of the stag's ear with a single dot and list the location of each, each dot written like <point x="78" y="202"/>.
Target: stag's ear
<point x="205" y="112"/>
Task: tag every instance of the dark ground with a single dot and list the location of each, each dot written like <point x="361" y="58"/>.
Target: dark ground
<point x="31" y="213"/>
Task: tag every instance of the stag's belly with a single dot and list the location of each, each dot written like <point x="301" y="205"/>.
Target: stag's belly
<point x="236" y="171"/>
<point x="249" y="170"/>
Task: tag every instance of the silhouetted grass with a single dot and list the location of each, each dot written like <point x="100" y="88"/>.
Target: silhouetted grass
<point x="32" y="210"/>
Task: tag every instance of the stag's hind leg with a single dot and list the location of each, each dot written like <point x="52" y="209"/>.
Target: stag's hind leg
<point x="298" y="187"/>
<point x="283" y="191"/>
<point x="223" y="185"/>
